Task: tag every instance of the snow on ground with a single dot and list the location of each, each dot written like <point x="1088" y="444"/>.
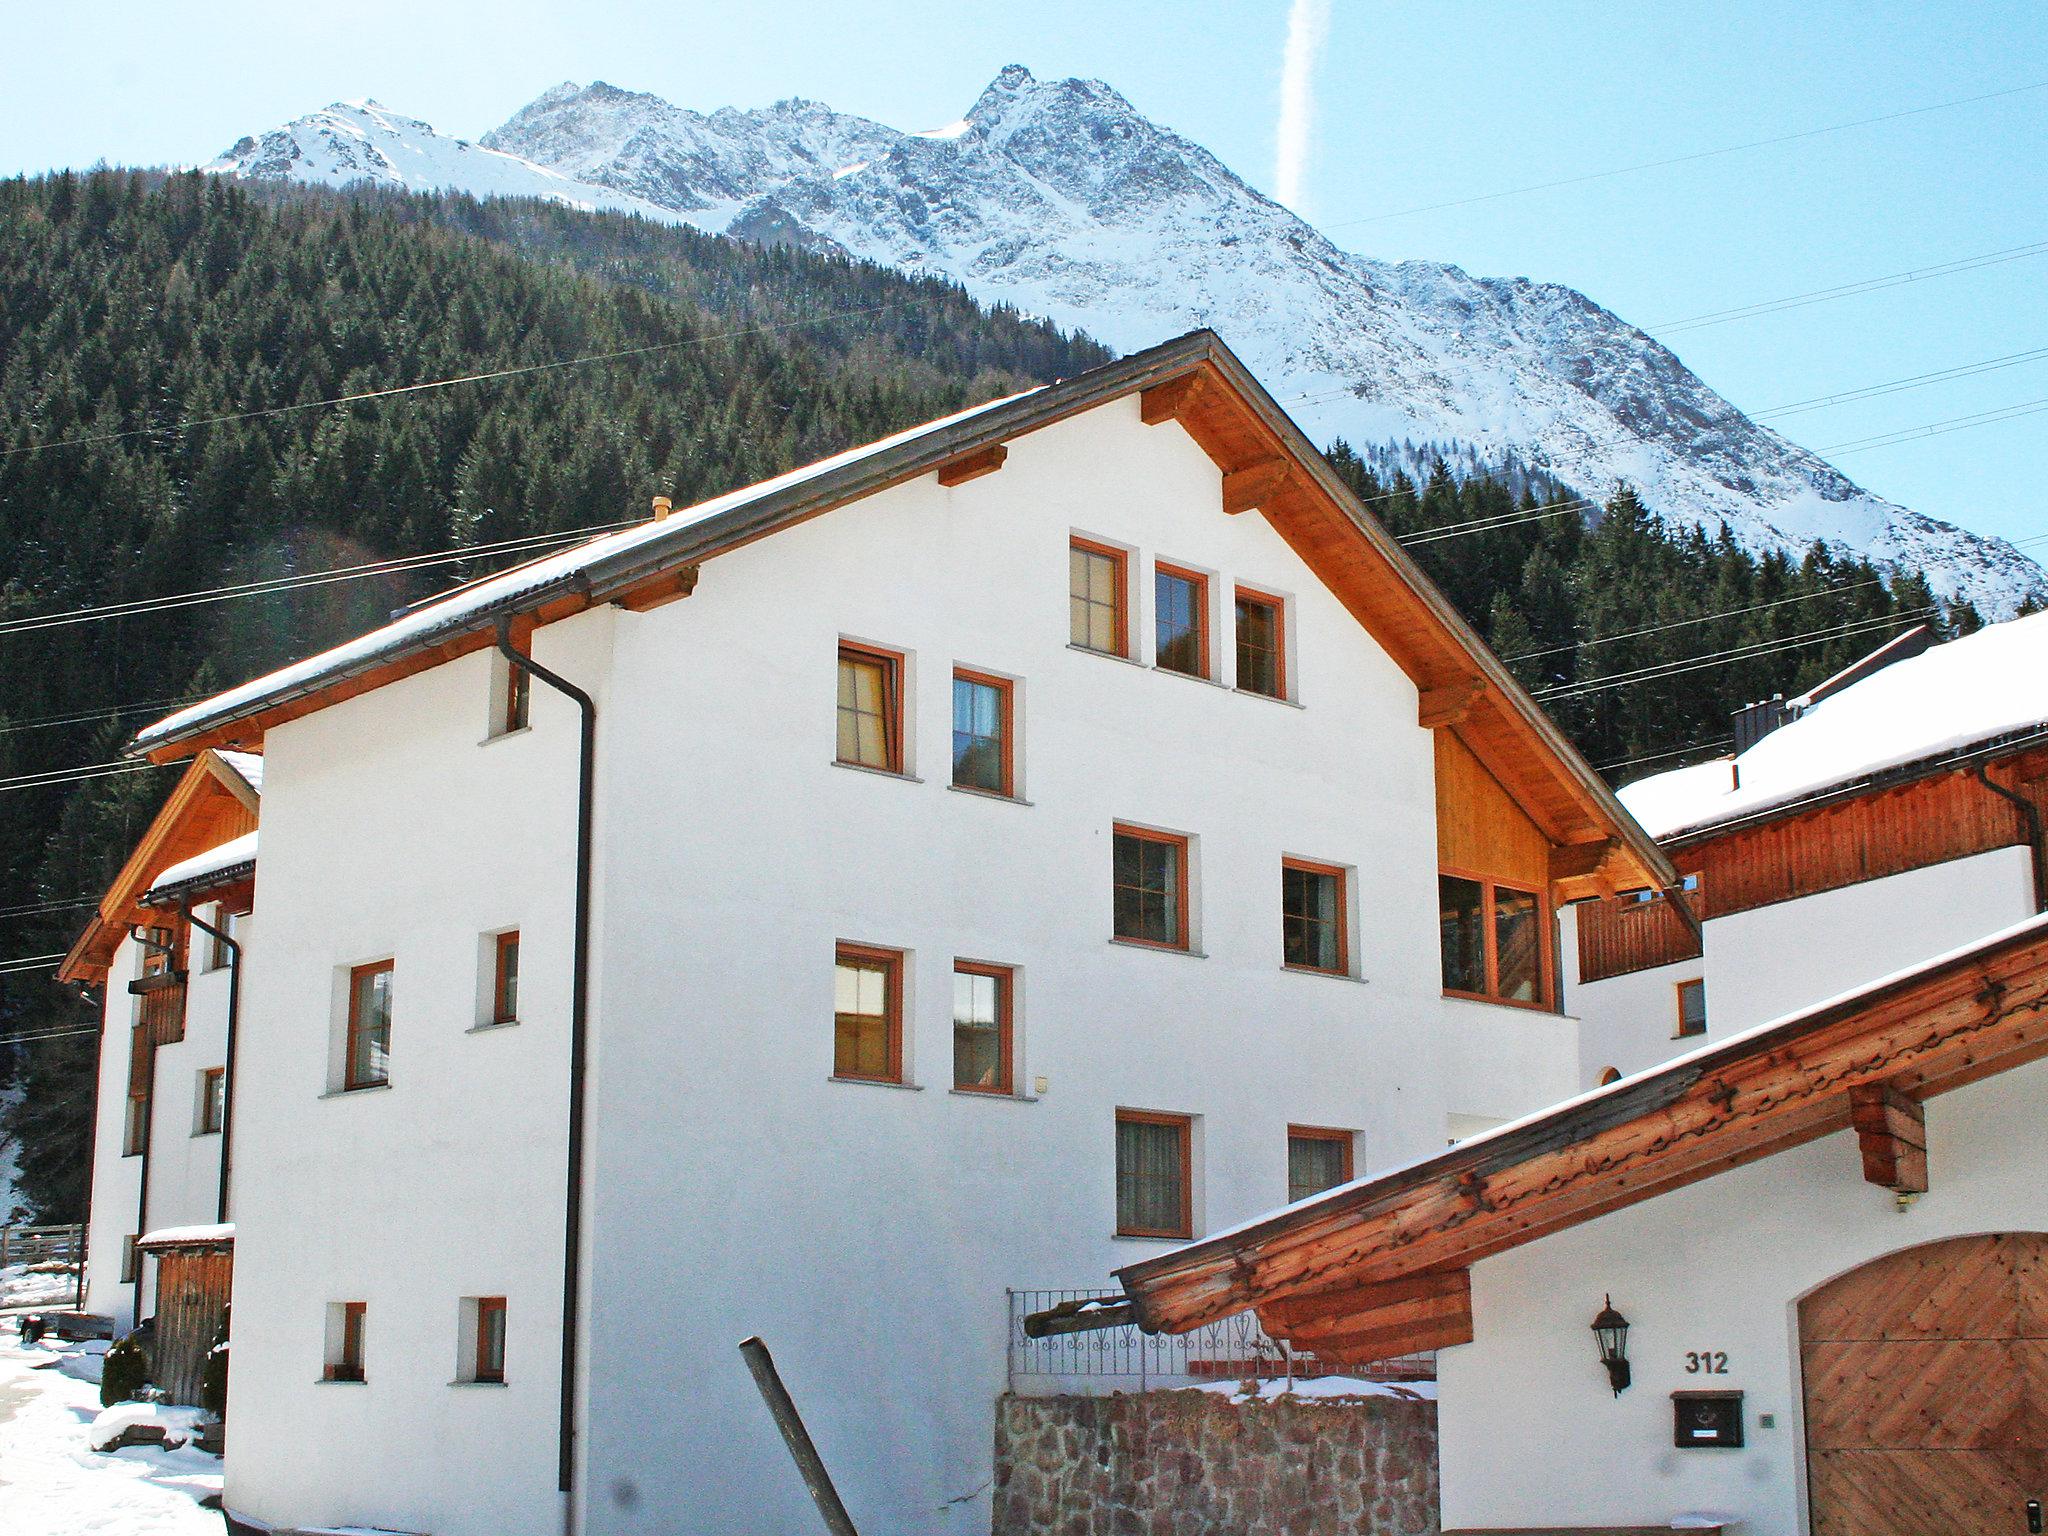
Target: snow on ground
<point x="1325" y="1387"/>
<point x="38" y="1285"/>
<point x="52" y="1484"/>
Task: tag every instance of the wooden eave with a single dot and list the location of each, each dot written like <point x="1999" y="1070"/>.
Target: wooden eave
<point x="1263" y="460"/>
<point x="1918" y="1035"/>
<point x="210" y="804"/>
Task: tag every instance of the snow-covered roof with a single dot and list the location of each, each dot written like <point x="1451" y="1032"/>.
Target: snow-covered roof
<point x="503" y="590"/>
<point x="239" y="850"/>
<point x="1983" y="687"/>
<point x="249" y="765"/>
<point x="178" y="1237"/>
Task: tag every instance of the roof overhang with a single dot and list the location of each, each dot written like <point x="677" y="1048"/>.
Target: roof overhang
<point x="1266" y="462"/>
<point x="1384" y="1259"/>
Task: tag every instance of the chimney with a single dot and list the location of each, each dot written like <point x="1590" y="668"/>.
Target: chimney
<point x="1753" y="722"/>
<point x="661" y="506"/>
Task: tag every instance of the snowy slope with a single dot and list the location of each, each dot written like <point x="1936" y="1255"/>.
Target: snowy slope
<point x="1060" y="198"/>
<point x="359" y="141"/>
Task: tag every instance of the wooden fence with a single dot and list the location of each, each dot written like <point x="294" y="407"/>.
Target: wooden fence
<point x="41" y="1245"/>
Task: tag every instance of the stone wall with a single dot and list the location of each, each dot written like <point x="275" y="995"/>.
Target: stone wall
<point x="1204" y="1464"/>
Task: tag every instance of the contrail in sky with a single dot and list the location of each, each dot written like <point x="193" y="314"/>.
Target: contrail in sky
<point x="1308" y="22"/>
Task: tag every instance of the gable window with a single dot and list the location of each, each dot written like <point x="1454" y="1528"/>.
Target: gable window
<point x="1098" y="597"/>
<point x="867" y="1014"/>
<point x="505" y="979"/>
<point x="1313" y="924"/>
<point x="1154" y="1178"/>
<point x="1180" y="609"/>
<point x="982" y="724"/>
<point x="228" y="919"/>
<point x="1151" y="888"/>
<point x="981" y="1027"/>
<point x="488" y="1364"/>
<point x="1261" y="645"/>
<point x="870" y="708"/>
<point x="345" y="1321"/>
<point x="1493" y="941"/>
<point x="213" y="1100"/>
<point x="1317" y="1160"/>
<point x="1692" y="1008"/>
<point x="367" y="1059"/>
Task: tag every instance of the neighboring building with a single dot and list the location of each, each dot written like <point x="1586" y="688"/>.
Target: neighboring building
<point x="1891" y="814"/>
<point x="1828" y="1239"/>
<point x="1032" y="841"/>
<point x="159" y="1151"/>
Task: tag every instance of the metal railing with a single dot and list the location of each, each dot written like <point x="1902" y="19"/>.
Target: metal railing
<point x="41" y="1245"/>
<point x="1125" y="1358"/>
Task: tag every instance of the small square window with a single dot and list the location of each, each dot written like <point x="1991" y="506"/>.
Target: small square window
<point x="213" y="1099"/>
<point x="982" y="1033"/>
<point x="1154" y="1175"/>
<point x="1151" y="888"/>
<point x="1317" y="1159"/>
<point x="367" y="1057"/>
<point x="867" y="1014"/>
<point x="1313" y="922"/>
<point x="1180" y="610"/>
<point x="1261" y="644"/>
<point x="505" y="978"/>
<point x="1098" y="593"/>
<point x="1692" y="1008"/>
<point x="345" y="1321"/>
<point x="871" y="708"/>
<point x="983" y="720"/>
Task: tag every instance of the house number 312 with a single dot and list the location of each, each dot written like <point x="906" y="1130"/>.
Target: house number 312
<point x="1706" y="1362"/>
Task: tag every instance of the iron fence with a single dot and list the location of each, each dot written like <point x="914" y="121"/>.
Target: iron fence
<point x="1234" y="1348"/>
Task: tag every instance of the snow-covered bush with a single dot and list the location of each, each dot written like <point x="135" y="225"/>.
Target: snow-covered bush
<point x="124" y="1372"/>
<point x="213" y="1377"/>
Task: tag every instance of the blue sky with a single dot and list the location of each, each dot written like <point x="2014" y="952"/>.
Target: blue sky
<point x="1415" y="104"/>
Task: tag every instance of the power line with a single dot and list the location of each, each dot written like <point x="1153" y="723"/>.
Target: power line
<point x="1702" y="154"/>
<point x="52" y="780"/>
<point x="1847" y="290"/>
<point x="54" y="1034"/>
<point x="30" y="909"/>
<point x="467" y="378"/>
<point x="1655" y="757"/>
<point x="110" y="712"/>
<point x="1722" y="657"/>
<point x="1939" y="428"/>
<point x="1892" y="387"/>
<point x="1725" y="613"/>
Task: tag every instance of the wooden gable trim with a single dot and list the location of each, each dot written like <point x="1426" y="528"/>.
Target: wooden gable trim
<point x="209" y="805"/>
<point x="1919" y="1035"/>
<point x="1252" y="486"/>
<point x="972" y="466"/>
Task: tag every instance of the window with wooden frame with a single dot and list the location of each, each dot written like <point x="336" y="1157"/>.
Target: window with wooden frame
<point x="1098" y="597"/>
<point x="1261" y="644"/>
<point x="366" y="1056"/>
<point x="505" y="978"/>
<point x="213" y="1100"/>
<point x="515" y="709"/>
<point x="984" y="719"/>
<point x="1154" y="1174"/>
<point x="1150" y="873"/>
<point x="1317" y="1159"/>
<point x="983" y="996"/>
<point x="1314" y="923"/>
<point x="1692" y="1008"/>
<point x="488" y="1363"/>
<point x="345" y="1320"/>
<point x="131" y="1257"/>
<point x="227" y="917"/>
<point x="867" y="1014"/>
<point x="870" y="707"/>
<point x="135" y="1119"/>
<point x="1180" y="615"/>
<point x="1494" y="940"/>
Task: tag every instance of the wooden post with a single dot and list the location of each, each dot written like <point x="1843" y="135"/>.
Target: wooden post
<point x="1891" y="1133"/>
<point x="809" y="1464"/>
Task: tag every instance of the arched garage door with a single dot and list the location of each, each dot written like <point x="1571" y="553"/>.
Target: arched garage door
<point x="1926" y="1381"/>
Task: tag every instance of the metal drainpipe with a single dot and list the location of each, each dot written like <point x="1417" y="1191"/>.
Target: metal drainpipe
<point x="227" y="1082"/>
<point x="579" y="993"/>
<point x="2031" y="814"/>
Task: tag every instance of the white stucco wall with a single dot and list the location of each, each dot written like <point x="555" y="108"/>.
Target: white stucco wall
<point x="867" y="1232"/>
<point x="1531" y="1434"/>
<point x="184" y="1163"/>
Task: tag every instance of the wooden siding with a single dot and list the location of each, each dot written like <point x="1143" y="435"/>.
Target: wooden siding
<point x="1479" y="826"/>
<point x="191" y="1301"/>
<point x="1620" y="934"/>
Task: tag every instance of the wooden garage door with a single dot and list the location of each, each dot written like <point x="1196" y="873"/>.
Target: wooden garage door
<point x="1926" y="1379"/>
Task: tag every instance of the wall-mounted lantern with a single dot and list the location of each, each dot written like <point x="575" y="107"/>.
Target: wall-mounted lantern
<point x="1611" y="1329"/>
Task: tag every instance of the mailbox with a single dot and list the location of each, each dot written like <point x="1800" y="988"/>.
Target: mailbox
<point x="1706" y="1420"/>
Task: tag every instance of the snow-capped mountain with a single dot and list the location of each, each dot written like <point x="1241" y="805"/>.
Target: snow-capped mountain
<point x="1060" y="198"/>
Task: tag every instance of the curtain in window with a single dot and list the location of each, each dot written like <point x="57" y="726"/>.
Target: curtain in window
<point x="1314" y="1164"/>
<point x="864" y="711"/>
<point x="370" y="1036"/>
<point x="1151" y="1173"/>
<point x="1095" y="598"/>
<point x="861" y="1013"/>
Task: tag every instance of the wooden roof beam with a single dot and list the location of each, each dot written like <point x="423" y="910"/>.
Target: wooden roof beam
<point x="1891" y="1133"/>
<point x="1448" y="703"/>
<point x="669" y="587"/>
<point x="1255" y="484"/>
<point x="1373" y="1322"/>
<point x="1169" y="401"/>
<point x="972" y="466"/>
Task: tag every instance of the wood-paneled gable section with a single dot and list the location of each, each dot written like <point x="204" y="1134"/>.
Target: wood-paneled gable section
<point x="1326" y="1264"/>
<point x="1479" y="828"/>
